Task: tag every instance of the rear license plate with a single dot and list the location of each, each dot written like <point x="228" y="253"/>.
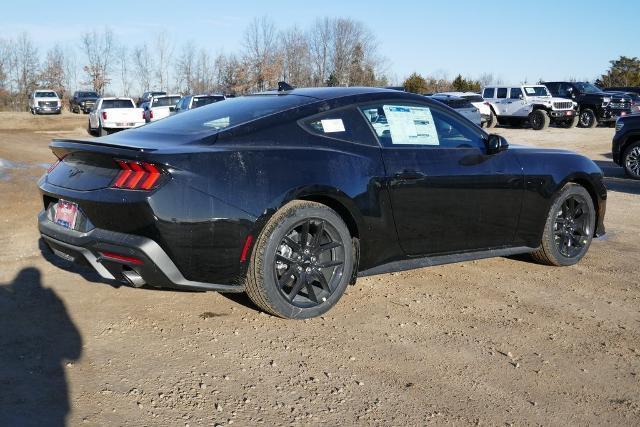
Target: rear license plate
<point x="66" y="214"/>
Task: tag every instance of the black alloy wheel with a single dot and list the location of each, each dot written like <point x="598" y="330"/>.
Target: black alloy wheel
<point x="632" y="161"/>
<point x="309" y="263"/>
<point x="302" y="261"/>
<point x="588" y="119"/>
<point x="569" y="227"/>
<point x="572" y="226"/>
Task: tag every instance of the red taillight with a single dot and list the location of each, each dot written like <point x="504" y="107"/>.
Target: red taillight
<point x="144" y="115"/>
<point x="136" y="175"/>
<point x="150" y="114"/>
<point x="122" y="258"/>
<point x="104" y="115"/>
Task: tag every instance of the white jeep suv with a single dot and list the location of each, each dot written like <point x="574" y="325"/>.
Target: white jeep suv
<point x="533" y="104"/>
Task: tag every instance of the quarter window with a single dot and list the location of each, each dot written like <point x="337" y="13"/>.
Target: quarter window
<point x="502" y="92"/>
<point x="346" y="124"/>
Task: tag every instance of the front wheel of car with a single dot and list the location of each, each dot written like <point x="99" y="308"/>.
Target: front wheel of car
<point x="588" y="118"/>
<point x="302" y="261"/>
<point x="631" y="161"/>
<point x="492" y="122"/>
<point x="569" y="228"/>
<point x="539" y="119"/>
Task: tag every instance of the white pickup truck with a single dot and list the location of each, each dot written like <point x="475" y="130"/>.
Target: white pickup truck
<point x="44" y="101"/>
<point x="113" y="114"/>
<point x="160" y="106"/>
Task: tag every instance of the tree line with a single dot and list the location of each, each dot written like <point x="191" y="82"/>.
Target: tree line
<point x="331" y="52"/>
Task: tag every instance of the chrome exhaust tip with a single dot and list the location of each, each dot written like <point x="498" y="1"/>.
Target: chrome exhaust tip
<point x="133" y="278"/>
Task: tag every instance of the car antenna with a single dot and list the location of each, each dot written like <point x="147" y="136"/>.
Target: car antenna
<point x="283" y="86"/>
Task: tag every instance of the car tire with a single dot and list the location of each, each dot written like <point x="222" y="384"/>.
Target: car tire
<point x="568" y="229"/>
<point x="90" y="130"/>
<point x="588" y="118"/>
<point x="102" y="131"/>
<point x="493" y="121"/>
<point x="631" y="160"/>
<point x="539" y="120"/>
<point x="298" y="277"/>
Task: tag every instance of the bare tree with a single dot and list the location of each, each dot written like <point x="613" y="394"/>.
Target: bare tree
<point x="24" y="69"/>
<point x="261" y="53"/>
<point x="143" y="64"/>
<point x="52" y="75"/>
<point x="185" y="67"/>
<point x="71" y="68"/>
<point x="296" y="59"/>
<point x="231" y="75"/>
<point x="122" y="56"/>
<point x="320" y="36"/>
<point x="99" y="49"/>
<point x="164" y="52"/>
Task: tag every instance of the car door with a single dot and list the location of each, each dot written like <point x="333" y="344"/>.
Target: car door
<point x="447" y="193"/>
<point x="502" y="101"/>
<point x="516" y="104"/>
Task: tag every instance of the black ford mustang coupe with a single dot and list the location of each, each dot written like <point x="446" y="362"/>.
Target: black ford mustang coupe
<point x="290" y="195"/>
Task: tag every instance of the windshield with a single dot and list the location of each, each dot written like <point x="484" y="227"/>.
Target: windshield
<point x="47" y="94"/>
<point x="536" y="91"/>
<point x="232" y="112"/>
<point x="167" y="101"/>
<point x="88" y="95"/>
<point x="587" y="88"/>
<point x="199" y="101"/>
<point x="117" y="103"/>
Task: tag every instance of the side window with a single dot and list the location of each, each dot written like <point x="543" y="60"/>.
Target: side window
<point x="345" y="124"/>
<point x="399" y="125"/>
<point x="516" y="93"/>
<point x="488" y="92"/>
<point x="502" y="92"/>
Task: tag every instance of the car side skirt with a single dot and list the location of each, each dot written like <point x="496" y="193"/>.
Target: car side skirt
<point x="430" y="261"/>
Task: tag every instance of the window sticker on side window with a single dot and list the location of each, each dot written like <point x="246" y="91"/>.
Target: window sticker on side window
<point x="332" y="125"/>
<point x="530" y="90"/>
<point x="411" y="125"/>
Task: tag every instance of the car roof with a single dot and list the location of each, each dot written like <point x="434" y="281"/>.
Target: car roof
<point x="332" y="92"/>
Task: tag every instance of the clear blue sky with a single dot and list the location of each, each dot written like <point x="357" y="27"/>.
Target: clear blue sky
<point x="512" y="39"/>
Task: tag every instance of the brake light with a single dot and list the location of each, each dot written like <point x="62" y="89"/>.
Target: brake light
<point x="143" y="115"/>
<point x="150" y="114"/>
<point x="136" y="175"/>
<point x="104" y="115"/>
<point x="123" y="258"/>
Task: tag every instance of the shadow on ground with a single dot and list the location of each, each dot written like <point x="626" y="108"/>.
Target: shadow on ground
<point x="37" y="340"/>
<point x="616" y="180"/>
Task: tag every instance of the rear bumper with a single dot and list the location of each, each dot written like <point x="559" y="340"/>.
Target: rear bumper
<point x="153" y="264"/>
<point x="119" y="125"/>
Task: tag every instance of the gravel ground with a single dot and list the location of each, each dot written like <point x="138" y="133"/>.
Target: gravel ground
<point x="497" y="341"/>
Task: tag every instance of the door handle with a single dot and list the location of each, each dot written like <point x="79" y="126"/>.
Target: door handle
<point x="409" y="175"/>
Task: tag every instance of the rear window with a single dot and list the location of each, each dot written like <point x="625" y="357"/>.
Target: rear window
<point x="166" y="101"/>
<point x="232" y="112"/>
<point x="199" y="101"/>
<point x="117" y="103"/>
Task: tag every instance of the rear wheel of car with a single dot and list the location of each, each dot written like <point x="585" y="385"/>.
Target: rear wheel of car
<point x="539" y="119"/>
<point x="90" y="130"/>
<point x="631" y="160"/>
<point x="588" y="118"/>
<point x="302" y="261"/>
<point x="568" y="229"/>
<point x="102" y="131"/>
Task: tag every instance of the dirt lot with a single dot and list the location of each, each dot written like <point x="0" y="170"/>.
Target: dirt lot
<point x="499" y="341"/>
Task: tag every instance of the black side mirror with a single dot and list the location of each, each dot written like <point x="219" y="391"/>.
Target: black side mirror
<point x="496" y="144"/>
